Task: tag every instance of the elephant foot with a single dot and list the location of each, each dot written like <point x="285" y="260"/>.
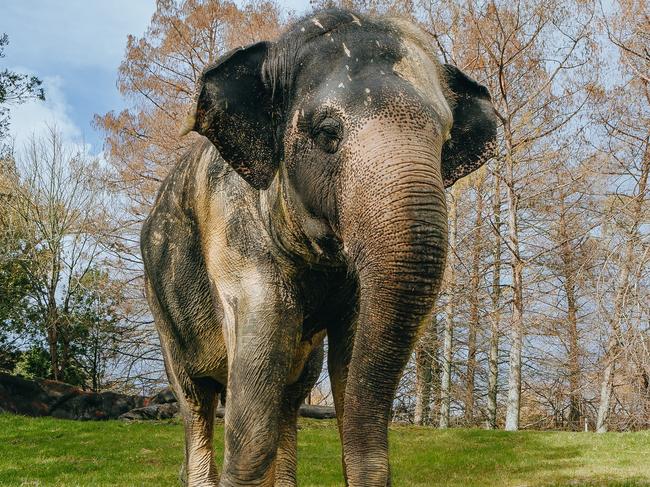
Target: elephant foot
<point x="288" y="482"/>
<point x="186" y="482"/>
<point x="182" y="475"/>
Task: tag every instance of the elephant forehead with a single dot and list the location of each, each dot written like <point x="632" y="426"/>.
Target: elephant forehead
<point x="362" y="80"/>
<point x="419" y="66"/>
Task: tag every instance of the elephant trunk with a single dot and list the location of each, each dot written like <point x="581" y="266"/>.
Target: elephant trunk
<point x="395" y="236"/>
<point x="394" y="224"/>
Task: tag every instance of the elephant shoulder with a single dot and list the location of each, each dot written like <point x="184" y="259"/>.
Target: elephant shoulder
<point x="172" y="217"/>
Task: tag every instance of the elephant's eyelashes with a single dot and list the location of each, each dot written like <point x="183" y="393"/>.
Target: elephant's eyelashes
<point x="328" y="134"/>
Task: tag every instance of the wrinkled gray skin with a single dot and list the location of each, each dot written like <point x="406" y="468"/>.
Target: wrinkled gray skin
<point x="314" y="206"/>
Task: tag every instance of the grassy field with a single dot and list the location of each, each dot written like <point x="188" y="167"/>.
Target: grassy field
<point x="47" y="451"/>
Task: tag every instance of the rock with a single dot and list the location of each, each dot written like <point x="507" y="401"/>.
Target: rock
<point x="317" y="412"/>
<point x="306" y="411"/>
<point x="96" y="406"/>
<point x="47" y="397"/>
<point x="165" y="396"/>
<point x="32" y="398"/>
<point x="154" y="411"/>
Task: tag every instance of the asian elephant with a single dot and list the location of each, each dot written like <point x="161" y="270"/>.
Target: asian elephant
<point x="313" y="207"/>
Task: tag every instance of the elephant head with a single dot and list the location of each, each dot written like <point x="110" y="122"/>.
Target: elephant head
<point x="358" y="128"/>
<point x="250" y="102"/>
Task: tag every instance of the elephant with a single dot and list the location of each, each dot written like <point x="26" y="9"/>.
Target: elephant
<point x="312" y="206"/>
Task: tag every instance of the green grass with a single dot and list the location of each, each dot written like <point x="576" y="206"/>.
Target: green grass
<point x="46" y="451"/>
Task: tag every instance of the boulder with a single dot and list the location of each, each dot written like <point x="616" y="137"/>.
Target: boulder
<point x="154" y="411"/>
<point x="48" y="397"/>
<point x="96" y="406"/>
<point x="306" y="411"/>
<point x="165" y="396"/>
<point x="317" y="412"/>
<point x="32" y="398"/>
<point x="51" y="398"/>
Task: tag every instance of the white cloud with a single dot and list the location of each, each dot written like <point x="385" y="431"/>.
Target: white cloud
<point x="73" y="32"/>
<point x="33" y="117"/>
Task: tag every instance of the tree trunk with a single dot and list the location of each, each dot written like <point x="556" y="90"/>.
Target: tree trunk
<point x="573" y="345"/>
<point x="606" y="387"/>
<point x="52" y="314"/>
<point x="445" y="386"/>
<point x="517" y="324"/>
<point x="495" y="321"/>
<point x="614" y="344"/>
<point x="52" y="342"/>
<point x="445" y="383"/>
<point x="424" y="358"/>
<point x="52" y="326"/>
<point x="575" y="396"/>
<point x="65" y="354"/>
<point x="474" y="303"/>
<point x="436" y="369"/>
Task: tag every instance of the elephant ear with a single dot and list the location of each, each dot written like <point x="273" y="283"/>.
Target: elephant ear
<point x="233" y="110"/>
<point x="474" y="129"/>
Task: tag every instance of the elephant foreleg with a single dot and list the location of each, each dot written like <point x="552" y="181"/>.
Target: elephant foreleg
<point x="265" y="327"/>
<point x="285" y="463"/>
<point x="340" y="341"/>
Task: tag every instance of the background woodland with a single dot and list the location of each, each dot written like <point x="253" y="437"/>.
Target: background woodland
<point x="544" y="316"/>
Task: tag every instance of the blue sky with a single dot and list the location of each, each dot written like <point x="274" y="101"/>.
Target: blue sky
<point x="75" y="47"/>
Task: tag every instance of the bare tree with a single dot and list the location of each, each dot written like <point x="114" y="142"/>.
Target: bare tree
<point x="425" y="370"/>
<point x="627" y="124"/>
<point x="448" y="333"/>
<point x="59" y="201"/>
<point x="525" y="51"/>
<point x="477" y="183"/>
<point x="495" y="297"/>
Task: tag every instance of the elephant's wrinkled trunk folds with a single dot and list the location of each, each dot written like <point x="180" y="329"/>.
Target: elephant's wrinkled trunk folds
<point x="396" y="238"/>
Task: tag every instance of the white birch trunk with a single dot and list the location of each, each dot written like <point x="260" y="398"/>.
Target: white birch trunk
<point x="517" y="325"/>
<point x="445" y="385"/>
<point x="493" y="354"/>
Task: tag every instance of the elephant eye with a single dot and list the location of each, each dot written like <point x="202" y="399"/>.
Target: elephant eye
<point x="328" y="134"/>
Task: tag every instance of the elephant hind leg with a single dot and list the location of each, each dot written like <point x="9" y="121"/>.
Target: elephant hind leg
<point x="294" y="395"/>
<point x="197" y="400"/>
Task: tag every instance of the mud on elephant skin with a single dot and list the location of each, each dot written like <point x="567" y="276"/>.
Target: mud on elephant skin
<point x="314" y="206"/>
